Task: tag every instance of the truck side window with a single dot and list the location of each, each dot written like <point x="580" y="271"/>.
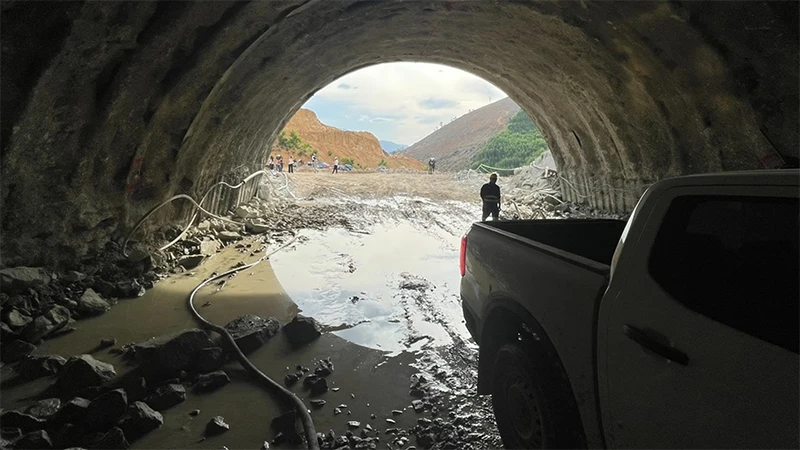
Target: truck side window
<point x="734" y="259"/>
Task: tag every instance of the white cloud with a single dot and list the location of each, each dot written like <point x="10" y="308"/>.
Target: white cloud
<point x="410" y="98"/>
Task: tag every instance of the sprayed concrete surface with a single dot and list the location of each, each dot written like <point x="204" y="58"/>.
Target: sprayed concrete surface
<point x="385" y="288"/>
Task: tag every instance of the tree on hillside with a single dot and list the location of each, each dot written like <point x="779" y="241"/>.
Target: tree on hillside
<point x="293" y="144"/>
<point x="517" y="145"/>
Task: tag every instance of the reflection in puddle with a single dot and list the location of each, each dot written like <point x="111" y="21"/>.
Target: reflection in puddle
<point x="350" y="281"/>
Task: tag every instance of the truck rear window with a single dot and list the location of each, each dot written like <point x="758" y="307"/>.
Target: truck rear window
<point x="734" y="260"/>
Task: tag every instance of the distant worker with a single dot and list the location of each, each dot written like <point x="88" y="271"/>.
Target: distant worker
<point x="291" y="164"/>
<point x="490" y="196"/>
<point x="431" y="165"/>
<point x="314" y="161"/>
<point x="335" y="165"/>
<point x="279" y="163"/>
<point x="271" y="163"/>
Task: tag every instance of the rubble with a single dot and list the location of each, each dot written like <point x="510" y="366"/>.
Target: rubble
<point x="25" y="422"/>
<point x="72" y="411"/>
<point x="114" y="439"/>
<point x="35" y="367"/>
<point x="16" y="320"/>
<point x="251" y="332"/>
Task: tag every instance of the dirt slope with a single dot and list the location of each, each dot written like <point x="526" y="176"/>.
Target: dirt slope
<point x="331" y="142"/>
<point x="456" y="143"/>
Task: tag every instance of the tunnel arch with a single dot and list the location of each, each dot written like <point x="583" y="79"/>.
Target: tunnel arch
<point x="112" y="107"/>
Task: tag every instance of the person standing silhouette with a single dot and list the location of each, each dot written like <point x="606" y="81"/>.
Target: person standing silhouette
<point x="335" y="165"/>
<point x="490" y="197"/>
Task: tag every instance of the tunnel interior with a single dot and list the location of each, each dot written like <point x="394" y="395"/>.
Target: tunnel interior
<point x="109" y="108"/>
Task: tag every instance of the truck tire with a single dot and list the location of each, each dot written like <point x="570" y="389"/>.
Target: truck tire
<point x="529" y="400"/>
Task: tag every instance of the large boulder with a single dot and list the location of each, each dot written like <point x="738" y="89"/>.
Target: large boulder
<point x="84" y="371"/>
<point x="139" y="420"/>
<point x="172" y="352"/>
<point x="105" y="410"/>
<point x="251" y="332"/>
<point x="20" y="279"/>
<point x="302" y="330"/>
<point x="92" y="304"/>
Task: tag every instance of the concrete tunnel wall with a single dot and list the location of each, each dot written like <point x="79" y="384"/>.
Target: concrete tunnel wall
<point x="108" y="108"/>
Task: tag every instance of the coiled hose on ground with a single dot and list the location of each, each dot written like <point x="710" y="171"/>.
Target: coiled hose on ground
<point x="301" y="409"/>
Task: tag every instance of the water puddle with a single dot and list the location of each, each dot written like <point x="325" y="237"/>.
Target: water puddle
<point x="352" y="281"/>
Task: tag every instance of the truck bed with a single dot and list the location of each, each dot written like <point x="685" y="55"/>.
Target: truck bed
<point x="553" y="269"/>
<point x="595" y="239"/>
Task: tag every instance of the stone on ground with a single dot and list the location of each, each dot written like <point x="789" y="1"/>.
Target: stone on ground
<point x="139" y="420"/>
<point x="34" y="440"/>
<point x="217" y="426"/>
<point x="16" y="320"/>
<point x="191" y="261"/>
<point x="16" y="350"/>
<point x="58" y="315"/>
<point x="17" y="419"/>
<point x="91" y="303"/>
<point x="44" y="408"/>
<point x="72" y="411"/>
<point x="302" y="330"/>
<point x="38" y="329"/>
<point x="172" y="352"/>
<point x="251" y="332"/>
<point x="105" y="410"/>
<point x="211" y="381"/>
<point x="229" y="236"/>
<point x="209" y="359"/>
<point x="113" y="440"/>
<point x="84" y="371"/>
<point x="20" y="279"/>
<point x="166" y="396"/>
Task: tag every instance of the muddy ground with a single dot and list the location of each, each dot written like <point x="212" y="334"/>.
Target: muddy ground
<point x="373" y="257"/>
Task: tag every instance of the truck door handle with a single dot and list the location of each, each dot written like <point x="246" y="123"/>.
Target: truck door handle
<point x="641" y="338"/>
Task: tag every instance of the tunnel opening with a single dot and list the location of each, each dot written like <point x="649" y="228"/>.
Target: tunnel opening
<point x="118" y="107"/>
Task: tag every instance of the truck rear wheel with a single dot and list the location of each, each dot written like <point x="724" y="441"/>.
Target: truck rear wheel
<point x="529" y="401"/>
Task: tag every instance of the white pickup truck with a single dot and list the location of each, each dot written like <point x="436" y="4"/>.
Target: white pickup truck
<point x="677" y="329"/>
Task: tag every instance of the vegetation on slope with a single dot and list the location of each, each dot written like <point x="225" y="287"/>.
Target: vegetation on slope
<point x="517" y="145"/>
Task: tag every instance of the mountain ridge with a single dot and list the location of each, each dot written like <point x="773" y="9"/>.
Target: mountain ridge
<point x="392" y="147"/>
<point x="330" y="142"/>
<point x="455" y="144"/>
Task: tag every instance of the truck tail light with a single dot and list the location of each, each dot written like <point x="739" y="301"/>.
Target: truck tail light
<point x="462" y="257"/>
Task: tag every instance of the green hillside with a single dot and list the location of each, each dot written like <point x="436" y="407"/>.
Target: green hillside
<point x="517" y="145"/>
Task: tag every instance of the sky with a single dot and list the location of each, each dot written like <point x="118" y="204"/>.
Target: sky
<point x="401" y="102"/>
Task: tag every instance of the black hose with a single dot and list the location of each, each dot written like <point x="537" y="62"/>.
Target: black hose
<point x="300" y="407"/>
